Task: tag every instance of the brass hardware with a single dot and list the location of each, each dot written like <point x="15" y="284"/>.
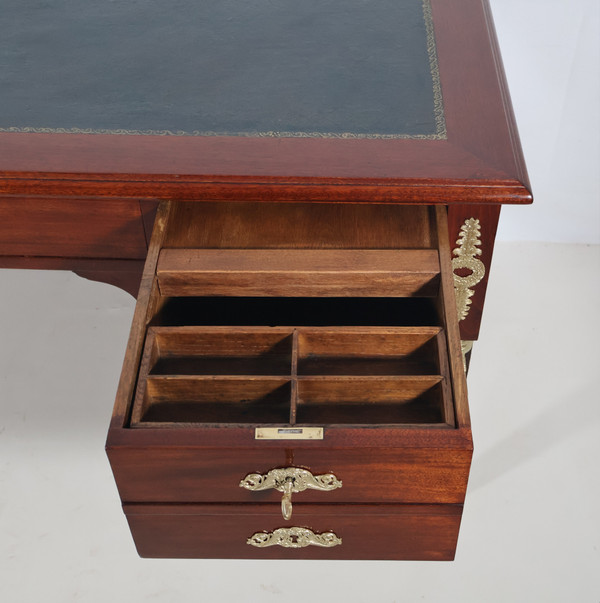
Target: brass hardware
<point x="289" y="480"/>
<point x="286" y="499"/>
<point x="465" y="347"/>
<point x="288" y="433"/>
<point x="294" y="538"/>
<point x="466" y="253"/>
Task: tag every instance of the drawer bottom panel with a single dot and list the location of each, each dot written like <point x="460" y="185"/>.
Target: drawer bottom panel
<point x="407" y="532"/>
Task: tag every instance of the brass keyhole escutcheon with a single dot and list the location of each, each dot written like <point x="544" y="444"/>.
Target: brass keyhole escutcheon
<point x="290" y="480"/>
<point x="294" y="538"/>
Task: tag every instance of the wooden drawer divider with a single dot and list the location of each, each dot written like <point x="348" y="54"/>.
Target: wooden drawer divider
<point x="222" y="375"/>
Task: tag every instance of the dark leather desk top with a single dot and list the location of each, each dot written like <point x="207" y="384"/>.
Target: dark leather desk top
<point x="222" y="67"/>
<point x="364" y="100"/>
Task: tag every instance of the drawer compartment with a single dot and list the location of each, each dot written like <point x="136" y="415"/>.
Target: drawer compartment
<point x="369" y="352"/>
<point x="370" y="400"/>
<point x="410" y="532"/>
<point x="292" y="376"/>
<point x="298" y="311"/>
<point x="194" y="351"/>
<point x="168" y="401"/>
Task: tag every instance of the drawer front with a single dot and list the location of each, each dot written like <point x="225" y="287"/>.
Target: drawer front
<point x="72" y="228"/>
<point x="367" y="475"/>
<point x="411" y="532"/>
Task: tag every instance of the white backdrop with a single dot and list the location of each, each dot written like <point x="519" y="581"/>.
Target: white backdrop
<point x="531" y="526"/>
<point x="551" y="55"/>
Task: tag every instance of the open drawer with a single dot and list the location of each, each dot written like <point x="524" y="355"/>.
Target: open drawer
<point x="288" y="350"/>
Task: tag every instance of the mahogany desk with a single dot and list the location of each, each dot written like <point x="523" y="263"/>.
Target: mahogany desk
<point x="331" y="176"/>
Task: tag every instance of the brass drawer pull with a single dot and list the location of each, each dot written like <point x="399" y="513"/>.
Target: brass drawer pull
<point x="289" y="480"/>
<point x="294" y="538"/>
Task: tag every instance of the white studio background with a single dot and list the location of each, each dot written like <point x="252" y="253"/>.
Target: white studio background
<point x="551" y="51"/>
<point x="531" y="528"/>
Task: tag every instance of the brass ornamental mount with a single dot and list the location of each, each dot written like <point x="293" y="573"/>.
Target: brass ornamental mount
<point x="466" y="258"/>
<point x="294" y="538"/>
<point x="465" y="348"/>
<point x="289" y="480"/>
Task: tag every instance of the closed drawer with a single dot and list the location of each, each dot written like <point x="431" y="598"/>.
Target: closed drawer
<point x="400" y="474"/>
<point x="410" y="532"/>
<point x="72" y="228"/>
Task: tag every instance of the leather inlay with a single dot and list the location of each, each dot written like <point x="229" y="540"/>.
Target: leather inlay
<point x="315" y="68"/>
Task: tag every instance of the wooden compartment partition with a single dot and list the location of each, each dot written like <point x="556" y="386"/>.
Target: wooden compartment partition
<point x="293" y="376"/>
<point x="323" y="272"/>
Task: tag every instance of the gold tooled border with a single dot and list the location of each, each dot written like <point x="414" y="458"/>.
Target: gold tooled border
<point x="438" y="100"/>
<point x="438" y="110"/>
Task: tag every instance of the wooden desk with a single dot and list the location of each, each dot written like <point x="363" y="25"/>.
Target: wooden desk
<point x="278" y="127"/>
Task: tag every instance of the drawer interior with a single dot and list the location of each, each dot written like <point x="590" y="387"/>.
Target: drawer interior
<point x="291" y="315"/>
<point x="202" y="351"/>
<point x="180" y="400"/>
<point x="295" y="375"/>
<point x="373" y="401"/>
<point x="299" y="311"/>
<point x="375" y="352"/>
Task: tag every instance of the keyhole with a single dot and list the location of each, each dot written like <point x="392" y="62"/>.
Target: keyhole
<point x="463" y="272"/>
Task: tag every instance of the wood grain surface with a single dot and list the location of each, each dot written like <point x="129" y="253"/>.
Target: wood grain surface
<point x="262" y="273"/>
<point x="80" y="228"/>
<point x="409" y="532"/>
<point x="479" y="162"/>
<point x="163" y="473"/>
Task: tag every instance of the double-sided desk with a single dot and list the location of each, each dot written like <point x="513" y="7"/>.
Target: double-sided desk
<point x="304" y="198"/>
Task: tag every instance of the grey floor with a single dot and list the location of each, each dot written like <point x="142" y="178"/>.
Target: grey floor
<point x="531" y="527"/>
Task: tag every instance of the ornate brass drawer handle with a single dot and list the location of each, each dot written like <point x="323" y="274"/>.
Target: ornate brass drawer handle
<point x="289" y="480"/>
<point x="294" y="538"/>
